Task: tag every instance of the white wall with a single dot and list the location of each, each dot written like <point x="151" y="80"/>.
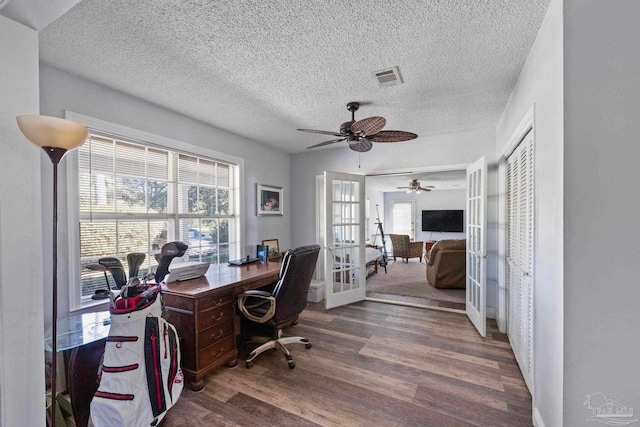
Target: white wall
<point x="434" y="200"/>
<point x="62" y="91"/>
<point x="540" y="83"/>
<point x="22" y="383"/>
<point x="601" y="221"/>
<point x="431" y="151"/>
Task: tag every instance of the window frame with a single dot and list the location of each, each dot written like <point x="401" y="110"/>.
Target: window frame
<point x="76" y="302"/>
<point x="412" y="234"/>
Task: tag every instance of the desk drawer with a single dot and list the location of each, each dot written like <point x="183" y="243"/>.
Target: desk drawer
<point x="213" y="301"/>
<point x="214" y="316"/>
<point x="218" y="350"/>
<point x="214" y="333"/>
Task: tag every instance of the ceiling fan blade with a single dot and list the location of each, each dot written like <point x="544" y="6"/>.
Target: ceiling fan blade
<point x="362" y="146"/>
<point x="323" y="132"/>
<point x="423" y="189"/>
<point x="368" y="126"/>
<point x="392" y="136"/>
<point x="333" y="141"/>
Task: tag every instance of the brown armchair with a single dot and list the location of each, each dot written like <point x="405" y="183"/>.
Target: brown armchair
<point x="447" y="264"/>
<point x="404" y="248"/>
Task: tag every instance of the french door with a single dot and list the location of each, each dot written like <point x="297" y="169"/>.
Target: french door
<point x="476" y="298"/>
<point x="344" y="239"/>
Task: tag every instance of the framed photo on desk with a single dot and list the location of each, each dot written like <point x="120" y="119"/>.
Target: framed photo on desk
<point x="274" y="248"/>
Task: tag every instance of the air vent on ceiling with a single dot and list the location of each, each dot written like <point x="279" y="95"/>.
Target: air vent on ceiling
<point x="388" y="77"/>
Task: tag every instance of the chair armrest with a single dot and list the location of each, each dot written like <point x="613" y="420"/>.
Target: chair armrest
<point x="414" y="245"/>
<point x="260" y="298"/>
<point x="254" y="293"/>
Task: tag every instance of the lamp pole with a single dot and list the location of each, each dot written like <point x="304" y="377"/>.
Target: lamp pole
<point x="55" y="154"/>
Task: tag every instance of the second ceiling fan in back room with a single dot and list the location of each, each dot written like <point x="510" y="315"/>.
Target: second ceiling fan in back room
<point x="361" y="134"/>
<point x="415" y="187"/>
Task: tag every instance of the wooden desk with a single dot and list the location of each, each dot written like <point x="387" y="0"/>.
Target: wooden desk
<point x="203" y="312"/>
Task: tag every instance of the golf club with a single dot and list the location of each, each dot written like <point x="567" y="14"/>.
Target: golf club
<point x="114" y="266"/>
<point x="102" y="268"/>
<point x="135" y="260"/>
<point x="168" y="252"/>
<point x="99" y="267"/>
<point x="127" y="293"/>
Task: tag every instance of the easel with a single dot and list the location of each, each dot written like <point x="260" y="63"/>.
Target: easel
<point x="383" y="262"/>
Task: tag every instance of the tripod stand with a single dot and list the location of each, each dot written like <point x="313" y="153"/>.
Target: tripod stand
<point x="383" y="263"/>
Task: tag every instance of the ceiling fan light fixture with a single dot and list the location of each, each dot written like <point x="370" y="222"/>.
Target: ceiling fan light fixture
<point x="416" y="187"/>
<point x="361" y="133"/>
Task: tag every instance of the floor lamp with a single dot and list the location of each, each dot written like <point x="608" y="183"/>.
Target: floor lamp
<point x="56" y="136"/>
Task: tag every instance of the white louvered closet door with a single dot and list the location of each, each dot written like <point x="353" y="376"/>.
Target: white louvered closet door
<point x="520" y="279"/>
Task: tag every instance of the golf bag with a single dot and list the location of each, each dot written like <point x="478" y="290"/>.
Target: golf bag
<point x="141" y="376"/>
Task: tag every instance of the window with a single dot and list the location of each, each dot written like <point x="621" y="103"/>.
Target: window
<point x="402" y="218"/>
<point x="135" y="197"/>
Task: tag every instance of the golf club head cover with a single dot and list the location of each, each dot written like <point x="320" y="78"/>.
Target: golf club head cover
<point x="115" y="267"/>
<point x="135" y="260"/>
<point x="168" y="252"/>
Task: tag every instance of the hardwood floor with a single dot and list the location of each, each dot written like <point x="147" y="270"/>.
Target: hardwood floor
<point x="371" y="364"/>
<point x="417" y="300"/>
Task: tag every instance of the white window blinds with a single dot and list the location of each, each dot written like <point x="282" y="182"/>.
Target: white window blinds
<point x="402" y="217"/>
<point x="135" y="198"/>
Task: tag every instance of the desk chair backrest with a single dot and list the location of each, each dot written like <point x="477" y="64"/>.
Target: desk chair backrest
<point x="292" y="289"/>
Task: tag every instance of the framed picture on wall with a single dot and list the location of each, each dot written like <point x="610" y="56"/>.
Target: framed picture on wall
<point x="274" y="248"/>
<point x="270" y="200"/>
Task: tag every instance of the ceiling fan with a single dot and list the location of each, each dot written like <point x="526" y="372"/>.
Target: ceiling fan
<point x="360" y="134"/>
<point x="415" y="187"/>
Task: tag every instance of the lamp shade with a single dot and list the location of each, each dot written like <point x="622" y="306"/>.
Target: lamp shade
<point x="46" y="131"/>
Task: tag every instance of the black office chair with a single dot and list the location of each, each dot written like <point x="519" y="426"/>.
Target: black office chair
<point x="267" y="314"/>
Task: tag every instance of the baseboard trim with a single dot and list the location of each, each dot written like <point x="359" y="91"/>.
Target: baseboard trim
<point x="537" y="418"/>
<point x="492" y="313"/>
<point x="414" y="305"/>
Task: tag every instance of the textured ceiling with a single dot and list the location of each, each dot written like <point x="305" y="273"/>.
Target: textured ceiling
<point x="441" y="180"/>
<point x="261" y="68"/>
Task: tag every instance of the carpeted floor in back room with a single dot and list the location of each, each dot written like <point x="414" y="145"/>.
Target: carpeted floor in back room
<point x="407" y="282"/>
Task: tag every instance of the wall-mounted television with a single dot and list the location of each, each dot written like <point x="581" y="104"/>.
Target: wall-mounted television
<point x="443" y="220"/>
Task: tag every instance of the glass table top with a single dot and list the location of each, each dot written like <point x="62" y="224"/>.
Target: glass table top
<point x="79" y="329"/>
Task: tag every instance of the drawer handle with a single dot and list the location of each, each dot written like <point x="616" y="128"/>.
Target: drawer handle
<point x="218" y="335"/>
<point x="218" y="302"/>
<point x="219" y="317"/>
<point x="219" y="354"/>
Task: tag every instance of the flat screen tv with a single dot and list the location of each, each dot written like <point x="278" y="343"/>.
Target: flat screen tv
<point x="443" y="220"/>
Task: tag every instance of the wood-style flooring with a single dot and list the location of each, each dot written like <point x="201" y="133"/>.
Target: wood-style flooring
<point x="371" y="364"/>
<point x="417" y="300"/>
